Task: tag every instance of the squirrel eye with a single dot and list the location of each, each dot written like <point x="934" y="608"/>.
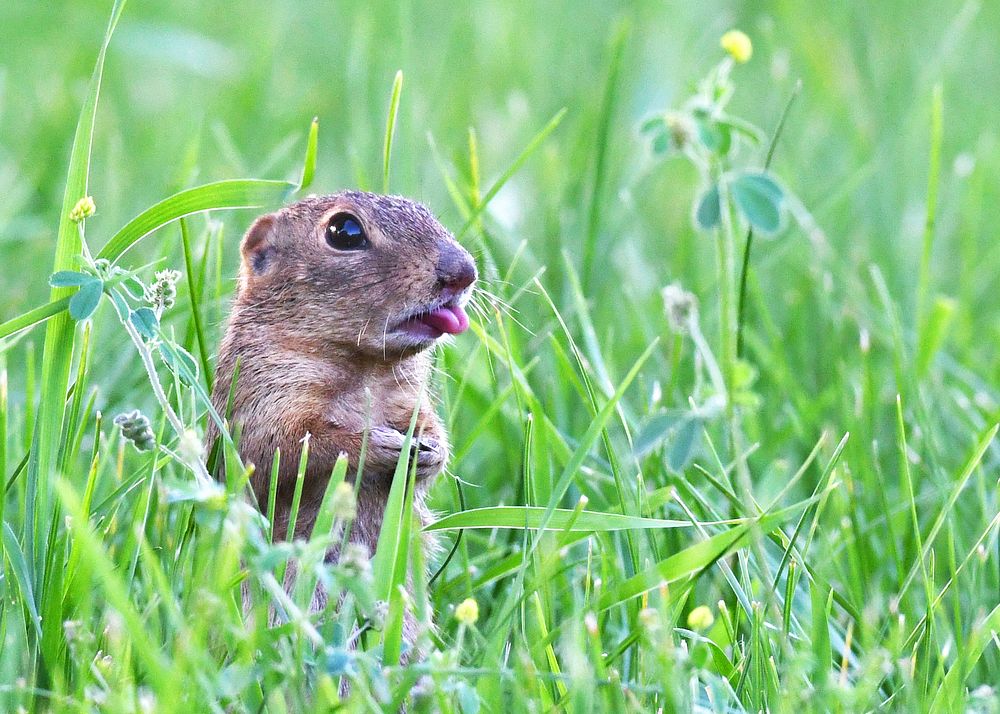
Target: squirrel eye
<point x="345" y="233"/>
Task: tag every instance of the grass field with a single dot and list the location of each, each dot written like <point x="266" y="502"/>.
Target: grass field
<point x="685" y="476"/>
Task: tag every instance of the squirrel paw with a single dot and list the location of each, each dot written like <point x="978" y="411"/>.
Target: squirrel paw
<point x="385" y="444"/>
<point x="430" y="456"/>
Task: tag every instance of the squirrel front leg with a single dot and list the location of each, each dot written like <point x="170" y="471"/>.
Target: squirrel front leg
<point x="385" y="444"/>
<point x="382" y="453"/>
<point x="383" y="447"/>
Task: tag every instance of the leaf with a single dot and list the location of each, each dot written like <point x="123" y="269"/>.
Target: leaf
<point x="387" y="548"/>
<point x="221" y="195"/>
<point x="661" y="143"/>
<point x="325" y="517"/>
<point x="590" y="437"/>
<point x="742" y="127"/>
<point x="83" y="304"/>
<point x="180" y="362"/>
<point x="656" y="128"/>
<point x="655" y="124"/>
<point x="759" y="198"/>
<point x="114" y="588"/>
<point x="563" y="519"/>
<point x="145" y="322"/>
<point x="70" y="279"/>
<point x="715" y="136"/>
<point x="120" y="305"/>
<point x="194" y="300"/>
<point x="340" y="662"/>
<point x="821" y="601"/>
<point x="684" y="443"/>
<point x="235" y="193"/>
<point x="708" y="212"/>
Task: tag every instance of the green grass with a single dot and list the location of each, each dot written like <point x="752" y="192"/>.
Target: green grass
<point x="810" y="453"/>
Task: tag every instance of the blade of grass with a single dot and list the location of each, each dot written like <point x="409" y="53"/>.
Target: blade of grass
<point x="34" y="317"/>
<point x="530" y="149"/>
<point x="57" y="356"/>
<point x="910" y="495"/>
<point x="975" y="458"/>
<point x="589" y="439"/>
<point x="384" y="564"/>
<point x="570" y="471"/>
<point x="392" y="641"/>
<point x="22" y="577"/>
<point x="601" y="142"/>
<point x="228" y="194"/>
<point x="945" y="700"/>
<point x="194" y="304"/>
<point x="109" y="579"/>
<point x="561" y="519"/>
<point x="390" y="128"/>
<point x="309" y="162"/>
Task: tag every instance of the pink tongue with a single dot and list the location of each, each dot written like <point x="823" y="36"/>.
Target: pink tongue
<point x="448" y="320"/>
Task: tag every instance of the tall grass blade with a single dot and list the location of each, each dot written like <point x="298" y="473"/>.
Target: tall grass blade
<point x="57" y="355"/>
<point x="229" y="194"/>
<point x="309" y="162"/>
<point x="390" y="128"/>
<point x="561" y="519"/>
<point x="601" y="142"/>
<point x="530" y="149"/>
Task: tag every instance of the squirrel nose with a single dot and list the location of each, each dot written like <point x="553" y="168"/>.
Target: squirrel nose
<point x="455" y="269"/>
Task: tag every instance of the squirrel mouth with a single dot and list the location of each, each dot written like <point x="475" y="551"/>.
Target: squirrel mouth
<point x="447" y="319"/>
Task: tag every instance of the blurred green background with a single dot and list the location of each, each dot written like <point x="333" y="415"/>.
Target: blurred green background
<point x="197" y="92"/>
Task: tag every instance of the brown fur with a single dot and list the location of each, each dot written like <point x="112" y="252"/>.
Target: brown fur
<point x="311" y="327"/>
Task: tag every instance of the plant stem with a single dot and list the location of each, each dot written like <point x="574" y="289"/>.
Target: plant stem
<point x="741" y="313"/>
<point x="196" y="465"/>
<point x="727" y="322"/>
<point x="729" y="326"/>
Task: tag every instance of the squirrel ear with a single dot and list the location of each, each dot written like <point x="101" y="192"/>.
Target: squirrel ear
<point x="258" y="245"/>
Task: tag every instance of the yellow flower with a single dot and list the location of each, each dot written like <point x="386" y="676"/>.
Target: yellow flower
<point x="467" y="611"/>
<point x="701" y="618"/>
<point x="738" y="45"/>
<point x="84" y="208"/>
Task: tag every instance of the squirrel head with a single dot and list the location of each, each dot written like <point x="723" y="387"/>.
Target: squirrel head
<point x="357" y="272"/>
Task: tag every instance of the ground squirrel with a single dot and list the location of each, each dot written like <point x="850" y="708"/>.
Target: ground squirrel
<point x="339" y="298"/>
